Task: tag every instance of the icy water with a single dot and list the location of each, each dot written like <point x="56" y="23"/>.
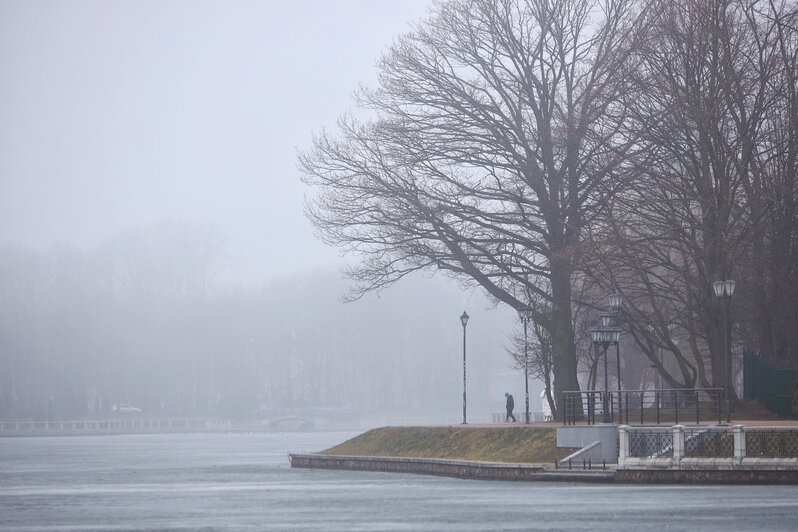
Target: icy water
<point x="243" y="481"/>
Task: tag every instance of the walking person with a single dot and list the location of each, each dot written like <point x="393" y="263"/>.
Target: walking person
<point x="510" y="405"/>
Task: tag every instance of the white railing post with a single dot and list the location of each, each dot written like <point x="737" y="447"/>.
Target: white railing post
<point x="623" y="444"/>
<point x="739" y="443"/>
<point x="678" y="444"/>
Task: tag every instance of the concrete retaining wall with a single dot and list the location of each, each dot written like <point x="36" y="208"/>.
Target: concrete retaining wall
<point x="591" y="453"/>
<point x="581" y="436"/>
<point x="424" y="466"/>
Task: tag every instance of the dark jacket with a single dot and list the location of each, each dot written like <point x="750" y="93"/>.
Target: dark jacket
<point x="510" y="403"/>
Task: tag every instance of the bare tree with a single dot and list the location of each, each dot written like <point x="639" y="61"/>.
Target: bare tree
<point x="709" y="96"/>
<point x="498" y="136"/>
<point x="770" y="259"/>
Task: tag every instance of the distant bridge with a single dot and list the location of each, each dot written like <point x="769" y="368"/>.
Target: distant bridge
<point x="304" y="419"/>
<point x="289" y="424"/>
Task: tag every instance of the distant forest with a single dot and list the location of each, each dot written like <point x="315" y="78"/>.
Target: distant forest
<point x="140" y="320"/>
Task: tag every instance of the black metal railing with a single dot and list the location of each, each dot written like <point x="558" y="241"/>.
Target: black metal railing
<point x="709" y="442"/>
<point x="651" y="443"/>
<point x="665" y="406"/>
<point x="771" y="443"/>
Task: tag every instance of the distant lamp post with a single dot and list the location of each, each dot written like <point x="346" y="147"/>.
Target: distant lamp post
<point x="724" y="290"/>
<point x="464" y="321"/>
<point x="615" y="304"/>
<point x="525" y="314"/>
<point x="603" y="337"/>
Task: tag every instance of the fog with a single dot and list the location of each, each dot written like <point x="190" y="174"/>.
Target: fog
<point x="119" y="114"/>
<point x="153" y="246"/>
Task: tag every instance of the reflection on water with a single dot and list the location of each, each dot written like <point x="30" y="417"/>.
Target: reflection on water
<point x="240" y="481"/>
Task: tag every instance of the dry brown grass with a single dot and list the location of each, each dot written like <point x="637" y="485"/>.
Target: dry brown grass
<point x="518" y="444"/>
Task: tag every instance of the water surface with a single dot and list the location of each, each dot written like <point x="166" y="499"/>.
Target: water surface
<point x="243" y="481"/>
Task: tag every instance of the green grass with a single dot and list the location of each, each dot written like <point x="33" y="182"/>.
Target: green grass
<point x="517" y="444"/>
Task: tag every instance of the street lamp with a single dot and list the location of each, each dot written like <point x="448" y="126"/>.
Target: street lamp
<point x="605" y="336"/>
<point x="724" y="290"/>
<point x="525" y="314"/>
<point x="615" y="301"/>
<point x="464" y="321"/>
<point x="615" y="304"/>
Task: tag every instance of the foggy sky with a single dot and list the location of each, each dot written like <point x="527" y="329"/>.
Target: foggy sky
<point x="119" y="114"/>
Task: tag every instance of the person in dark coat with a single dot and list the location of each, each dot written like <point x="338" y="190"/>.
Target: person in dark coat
<point x="510" y="405"/>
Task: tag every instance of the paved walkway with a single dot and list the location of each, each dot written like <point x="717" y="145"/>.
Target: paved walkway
<point x="766" y="422"/>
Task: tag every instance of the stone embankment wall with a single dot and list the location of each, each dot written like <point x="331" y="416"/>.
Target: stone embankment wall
<point x="705" y="476"/>
<point x="533" y="472"/>
<point x="424" y="466"/>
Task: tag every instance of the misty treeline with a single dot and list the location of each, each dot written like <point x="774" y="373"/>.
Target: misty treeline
<point x="142" y="320"/>
<point x="555" y="151"/>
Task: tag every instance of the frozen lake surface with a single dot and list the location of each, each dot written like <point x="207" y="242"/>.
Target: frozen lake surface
<point x="243" y="481"/>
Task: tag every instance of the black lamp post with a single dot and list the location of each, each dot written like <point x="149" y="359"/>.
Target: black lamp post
<point x="525" y="314"/>
<point x="615" y="304"/>
<point x="464" y="321"/>
<point x="724" y="290"/>
<point x="605" y="336"/>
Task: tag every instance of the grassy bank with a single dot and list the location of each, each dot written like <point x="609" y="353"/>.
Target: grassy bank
<point x="517" y="444"/>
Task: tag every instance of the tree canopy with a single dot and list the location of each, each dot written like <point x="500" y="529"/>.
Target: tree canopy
<point x="551" y="151"/>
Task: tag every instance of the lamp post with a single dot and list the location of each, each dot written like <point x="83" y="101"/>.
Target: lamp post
<point x="615" y="304"/>
<point x="525" y="314"/>
<point x="724" y="290"/>
<point x="464" y="321"/>
<point x="604" y="336"/>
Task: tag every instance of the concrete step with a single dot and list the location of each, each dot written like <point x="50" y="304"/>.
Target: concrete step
<point x="577" y="475"/>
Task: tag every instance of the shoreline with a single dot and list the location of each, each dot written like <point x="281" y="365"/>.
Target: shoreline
<point x="464" y="469"/>
<point x="501" y="471"/>
<point x="534" y="454"/>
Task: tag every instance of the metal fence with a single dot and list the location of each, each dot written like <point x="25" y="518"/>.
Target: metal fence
<point x="771" y="443"/>
<point x="708" y="447"/>
<point x="651" y="443"/>
<point x="708" y="442"/>
<point x="534" y="417"/>
<point x="662" y="406"/>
